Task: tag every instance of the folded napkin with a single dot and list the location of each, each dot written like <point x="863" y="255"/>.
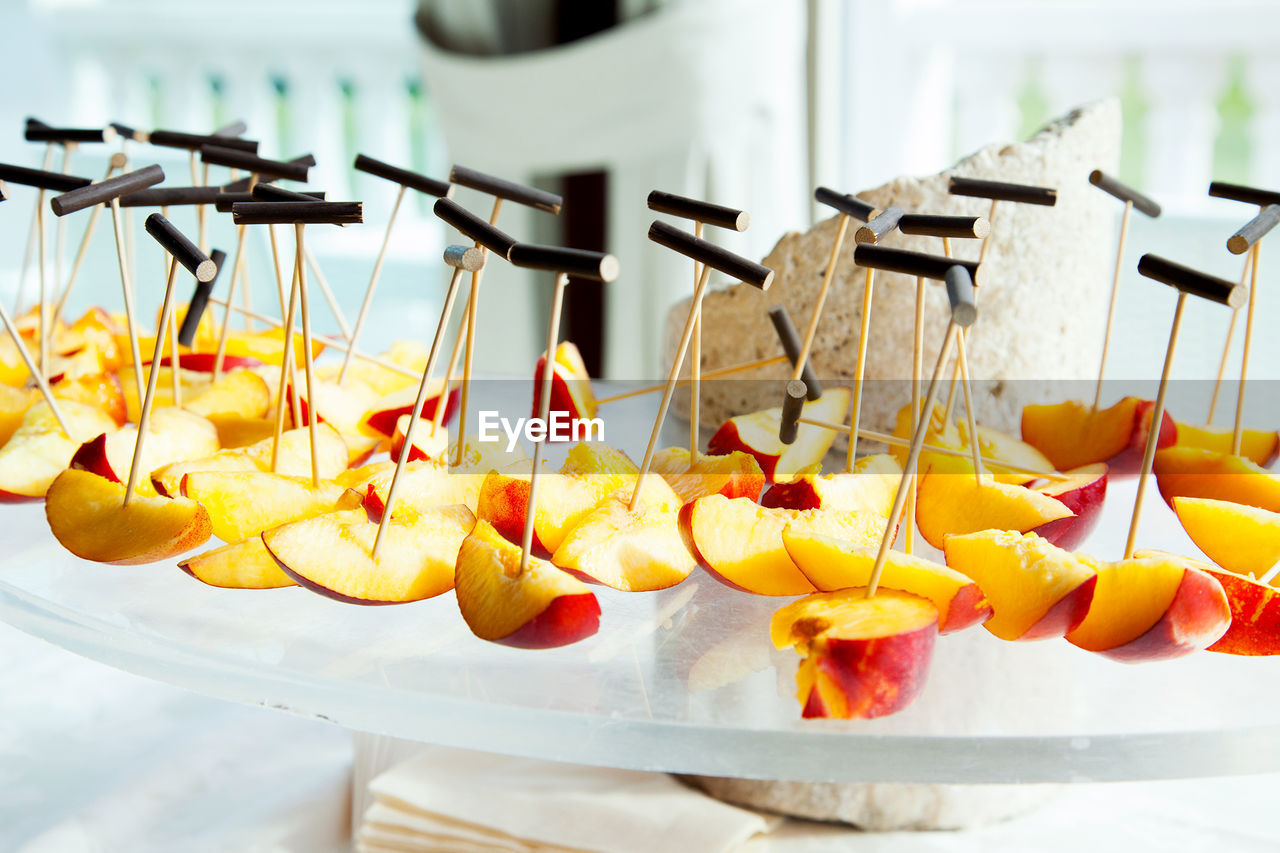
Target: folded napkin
<point x="457" y="801"/>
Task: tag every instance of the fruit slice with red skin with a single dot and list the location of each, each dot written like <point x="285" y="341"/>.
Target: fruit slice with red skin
<point x="174" y="435"/>
<point x="240" y="392"/>
<point x="1255" y="614"/>
<point x="1188" y="472"/>
<point x="632" y="550"/>
<point x="1258" y="446"/>
<point x="740" y="542"/>
<point x="571" y="392"/>
<point x="203" y="362"/>
<point x="541" y="607"/>
<point x="757" y="433"/>
<point x="332" y="553"/>
<point x="994" y="445"/>
<point x="951" y="501"/>
<point x="245" y="503"/>
<point x="833" y="564"/>
<point x="1153" y="606"/>
<point x="1072" y="434"/>
<point x="102" y="391"/>
<point x="382" y="417"/>
<point x="192" y="384"/>
<point x="87" y="515"/>
<point x="39" y="450"/>
<point x="862" y="657"/>
<point x="293" y="459"/>
<point x="734" y="475"/>
<point x="1241" y="539"/>
<point x="1084" y="495"/>
<point x="246" y="564"/>
<point x="591" y="472"/>
<point x="422" y="484"/>
<point x="1036" y="590"/>
<point x="872" y="482"/>
<point x="429" y="444"/>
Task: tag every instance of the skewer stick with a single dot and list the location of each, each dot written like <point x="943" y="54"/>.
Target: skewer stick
<point x="1188" y="282"/>
<point x="468" y="359"/>
<point x="963" y="363"/>
<point x="60" y="235"/>
<point x="41" y="382"/>
<point x="710" y="374"/>
<point x="286" y="371"/>
<point x="917" y="376"/>
<point x="461" y="258"/>
<point x="451" y="379"/>
<point x="275" y="266"/>
<point x="1226" y="345"/>
<point x="183" y="252"/>
<point x="1248" y="239"/>
<point x="116" y="163"/>
<point x="373" y="282"/>
<point x="594" y="266"/>
<point x="225" y="332"/>
<point x="695" y="368"/>
<point x="300" y="261"/>
<point x="44" y="292"/>
<point x="31" y="235"/>
<point x="334" y="308"/>
<point x="710" y="256"/>
<point x="963" y="312"/>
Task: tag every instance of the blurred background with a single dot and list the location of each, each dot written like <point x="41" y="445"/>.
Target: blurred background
<point x="746" y="102"/>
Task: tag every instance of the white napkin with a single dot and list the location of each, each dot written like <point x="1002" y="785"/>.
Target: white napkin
<point x="474" y="802"/>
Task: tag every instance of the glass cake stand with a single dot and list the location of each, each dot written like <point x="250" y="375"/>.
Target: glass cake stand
<point x="683" y="680"/>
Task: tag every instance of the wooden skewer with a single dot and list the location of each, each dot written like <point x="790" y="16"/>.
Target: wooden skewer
<point x="710" y="374"/>
<point x="1226" y="345"/>
<point x="286" y="372"/>
<point x="36" y="374"/>
<point x="544" y="409"/>
<point x="461" y="259"/>
<point x="300" y="261"/>
<point x="31" y="235"/>
<point x="695" y="368"/>
<point x="373" y="281"/>
<point x="126" y="284"/>
<point x="275" y="266"/>
<point x="116" y="163"/>
<point x="1111" y="307"/>
<point x="468" y="358"/>
<point x="1188" y="282"/>
<point x="44" y="293"/>
<point x="710" y="256"/>
<point x="60" y="234"/>
<point x="963" y="312"/>
<point x="974" y="443"/>
<point x="452" y="380"/>
<point x="917" y="376"/>
<point x="236" y="265"/>
<point x="1237" y="435"/>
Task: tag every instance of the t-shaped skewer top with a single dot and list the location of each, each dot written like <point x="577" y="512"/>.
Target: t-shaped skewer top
<point x="700" y="211"/>
<point x="847" y="204"/>
<point x="504" y="189"/>
<point x="41" y="179"/>
<point x="1239" y="192"/>
<point x="1192" y="281"/>
<point x="911" y="263"/>
<point x="297" y="212"/>
<point x="199" y="301"/>
<point x="1254" y="230"/>
<point x="197" y="141"/>
<point x="171" y="197"/>
<point x="792" y="406"/>
<point x="218" y="154"/>
<point x="579" y="263"/>
<point x="105" y="191"/>
<point x="878" y="226"/>
<point x="41" y="132"/>
<point x="473" y="226"/>
<point x="964" y="310"/>
<point x="465" y="258"/>
<point x="711" y="255"/>
<point x="1126" y="193"/>
<point x="1001" y="191"/>
<point x="183" y="250"/>
<point x="791" y="345"/>
<point x="403" y="177"/>
<point x="932" y="225"/>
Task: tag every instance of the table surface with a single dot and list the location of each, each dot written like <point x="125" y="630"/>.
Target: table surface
<point x="681" y="680"/>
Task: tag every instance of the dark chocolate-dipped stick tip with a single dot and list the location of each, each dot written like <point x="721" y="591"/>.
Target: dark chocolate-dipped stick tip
<point x="964" y="308"/>
<point x="792" y="407"/>
<point x="182" y="249"/>
<point x="847" y="204"/>
<point x="1240" y="192"/>
<point x="1124" y="192"/>
<point x="41" y="179"/>
<point x="1002" y="191"/>
<point x="580" y="263"/>
<point x="791" y="345"/>
<point x="218" y="153"/>
<point x="1192" y="281"/>
<point x="297" y="213"/>
<point x="910" y="263"/>
<point x="473" y="226"/>
<point x="709" y="254"/>
<point x="504" y="189"/>
<point x="933" y="225"/>
<point x="878" y="227"/>
<point x="403" y="177"/>
<point x="699" y="211"/>
<point x="199" y="301"/>
<point x="105" y="191"/>
<point x="467" y="258"/>
<point x="1254" y="230"/>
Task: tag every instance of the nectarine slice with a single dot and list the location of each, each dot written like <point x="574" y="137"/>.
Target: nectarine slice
<point x="541" y="607"/>
<point x="872" y="484"/>
<point x="1083" y="492"/>
<point x="1036" y="590"/>
<point x="244" y="503"/>
<point x="87" y="515"/>
<point x="734" y="475"/>
<point x="1072" y="434"/>
<point x="1258" y="446"/>
<point x="833" y="564"/>
<point x="332" y="554"/>
<point x="1194" y="473"/>
<point x="1241" y="539"/>
<point x="757" y="433"/>
<point x="952" y="501"/>
<point x="39" y="449"/>
<point x="293" y="458"/>
<point x="380" y="419"/>
<point x="863" y="657"/>
<point x="240" y="392"/>
<point x="1255" y="614"/>
<point x="422" y="484"/>
<point x="429" y="443"/>
<point x="174" y="435"/>
<point x="570" y="384"/>
<point x="246" y="564"/>
<point x="1152" y="606"/>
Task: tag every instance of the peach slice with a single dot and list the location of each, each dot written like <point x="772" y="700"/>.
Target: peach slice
<point x="246" y="564"/>
<point x="541" y="607"/>
<point x="1255" y="614"/>
<point x="381" y="418"/>
<point x="1083" y="493"/>
<point x="570" y="384"/>
<point x="268" y="346"/>
<point x="204" y="362"/>
<point x="235" y="431"/>
<point x="341" y="406"/>
<point x="293" y="459"/>
<point x="191" y="384"/>
<point x="590" y="473"/>
<point x="1241" y="539"/>
<point x="38" y="450"/>
<point x="240" y="392"/>
<point x="873" y="481"/>
<point x="1153" y="606"/>
<point x="244" y="503"/>
<point x="632" y="550"/>
<point x="332" y="554"/>
<point x="422" y="484"/>
<point x="740" y="542"/>
<point x="1036" y="590"/>
<point x="834" y="564"/>
<point x="1194" y="473"/>
<point x="992" y="444"/>
<point x="14" y="403"/>
<point x="174" y="435"/>
<point x="1258" y="446"/>
<point x="757" y="434"/>
<point x="950" y="500"/>
<point x="429" y="444"/>
<point x="102" y="391"/>
<point x="87" y="514"/>
<point x="862" y="657"/>
<point x="1072" y="434"/>
<point x="734" y="475"/>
